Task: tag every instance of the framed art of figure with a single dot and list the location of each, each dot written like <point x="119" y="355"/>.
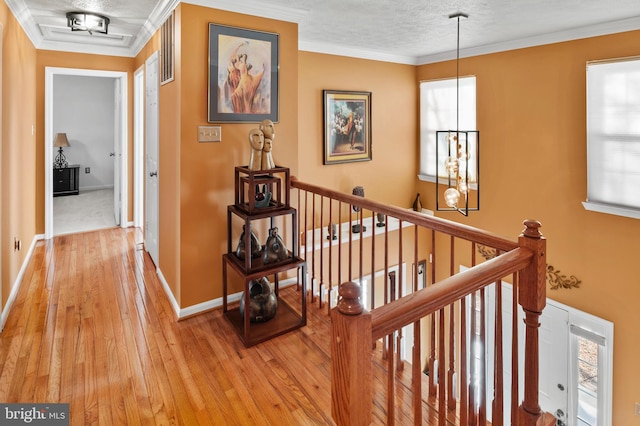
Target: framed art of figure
<point x="347" y="126"/>
<point x="243" y="75"/>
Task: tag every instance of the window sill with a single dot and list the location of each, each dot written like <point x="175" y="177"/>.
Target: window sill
<point x="442" y="181"/>
<point x="611" y="209"/>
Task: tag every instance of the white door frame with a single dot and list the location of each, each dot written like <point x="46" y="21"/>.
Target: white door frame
<point x="121" y="139"/>
<point x="138" y="147"/>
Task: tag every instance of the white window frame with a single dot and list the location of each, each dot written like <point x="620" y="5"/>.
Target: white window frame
<point x="438" y="111"/>
<point x="613" y="137"/>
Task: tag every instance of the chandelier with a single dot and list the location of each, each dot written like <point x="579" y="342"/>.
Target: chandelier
<point x="457" y="177"/>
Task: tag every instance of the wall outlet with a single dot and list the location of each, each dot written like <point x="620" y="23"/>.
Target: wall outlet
<point x="637" y="408"/>
<point x="17" y="244"/>
<point x="87" y="169"/>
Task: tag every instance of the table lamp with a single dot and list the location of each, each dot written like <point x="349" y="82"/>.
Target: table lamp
<point x="61" y="140"/>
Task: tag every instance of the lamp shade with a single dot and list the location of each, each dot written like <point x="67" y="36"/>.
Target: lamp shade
<point x="61" y="140"/>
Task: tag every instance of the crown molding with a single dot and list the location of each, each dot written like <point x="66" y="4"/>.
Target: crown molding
<point x="159" y="14"/>
<point x="255" y="8"/>
<point x="612" y="27"/>
<point x="26" y="21"/>
<point x="295" y="15"/>
<point x="354" y="52"/>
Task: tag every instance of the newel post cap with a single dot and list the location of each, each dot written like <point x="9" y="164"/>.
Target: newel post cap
<point x="349" y="302"/>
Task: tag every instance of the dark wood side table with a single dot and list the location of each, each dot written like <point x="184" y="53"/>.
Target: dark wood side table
<point x="66" y="180"/>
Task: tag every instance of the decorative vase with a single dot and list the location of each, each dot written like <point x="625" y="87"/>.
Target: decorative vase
<point x="256" y="248"/>
<point x="263" y="302"/>
<point x="274" y="249"/>
<point x="332" y="229"/>
<point x="417" y="205"/>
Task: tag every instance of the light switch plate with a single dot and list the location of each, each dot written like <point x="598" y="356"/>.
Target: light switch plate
<point x="209" y="133"/>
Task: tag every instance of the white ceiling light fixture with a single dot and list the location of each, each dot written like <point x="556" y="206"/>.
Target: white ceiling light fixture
<point x="87" y="21"/>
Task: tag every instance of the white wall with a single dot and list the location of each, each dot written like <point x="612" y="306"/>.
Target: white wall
<point x="83" y="108"/>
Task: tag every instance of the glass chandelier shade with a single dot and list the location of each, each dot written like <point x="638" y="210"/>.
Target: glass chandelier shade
<point x="457" y="182"/>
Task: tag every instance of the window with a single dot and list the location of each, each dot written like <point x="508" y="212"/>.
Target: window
<point x="613" y="138"/>
<point x="591" y="360"/>
<point x="438" y="112"/>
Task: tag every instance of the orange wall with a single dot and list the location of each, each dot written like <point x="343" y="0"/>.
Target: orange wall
<point x="391" y="174"/>
<point x="17" y="148"/>
<point x="531" y="116"/>
<point x="197" y="178"/>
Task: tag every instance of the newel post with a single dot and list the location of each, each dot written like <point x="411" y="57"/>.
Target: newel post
<point x="532" y="295"/>
<point x="351" y="402"/>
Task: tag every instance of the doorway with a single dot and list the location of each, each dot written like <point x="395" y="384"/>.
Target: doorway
<point x="119" y="149"/>
<point x="575" y="360"/>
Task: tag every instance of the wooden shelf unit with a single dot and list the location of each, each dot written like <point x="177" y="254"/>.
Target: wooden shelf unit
<point x="287" y="317"/>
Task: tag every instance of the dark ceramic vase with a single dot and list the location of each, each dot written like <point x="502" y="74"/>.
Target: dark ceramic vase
<point x="263" y="302"/>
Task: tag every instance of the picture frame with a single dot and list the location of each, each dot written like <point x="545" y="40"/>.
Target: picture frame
<point x="347" y="126"/>
<point x="243" y="75"/>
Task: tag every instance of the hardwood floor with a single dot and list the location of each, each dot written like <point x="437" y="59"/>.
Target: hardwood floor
<point x="92" y="326"/>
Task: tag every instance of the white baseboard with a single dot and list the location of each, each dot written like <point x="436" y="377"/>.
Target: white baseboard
<point x="94" y="188"/>
<point x="18" y="282"/>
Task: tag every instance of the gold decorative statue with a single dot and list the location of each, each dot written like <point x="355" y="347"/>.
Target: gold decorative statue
<point x="269" y="133"/>
<point x="256" y="139"/>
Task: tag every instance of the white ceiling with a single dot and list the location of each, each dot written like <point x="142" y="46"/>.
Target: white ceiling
<point x="403" y="31"/>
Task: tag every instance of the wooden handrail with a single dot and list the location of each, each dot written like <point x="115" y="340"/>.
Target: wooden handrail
<point x="354" y="329"/>
<point x="458" y="230"/>
<point x="413" y="307"/>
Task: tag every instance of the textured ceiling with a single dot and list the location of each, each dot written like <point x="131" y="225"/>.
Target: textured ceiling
<point x="406" y="31"/>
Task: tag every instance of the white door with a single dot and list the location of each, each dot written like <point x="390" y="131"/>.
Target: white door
<point x="117" y="154"/>
<point x="553" y="341"/>
<point x="151" y="170"/>
<point x="554" y="362"/>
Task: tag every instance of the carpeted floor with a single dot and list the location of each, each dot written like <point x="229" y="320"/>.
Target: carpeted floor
<point x="88" y="211"/>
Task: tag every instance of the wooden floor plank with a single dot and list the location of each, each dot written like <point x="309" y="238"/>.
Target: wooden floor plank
<point x="92" y="326"/>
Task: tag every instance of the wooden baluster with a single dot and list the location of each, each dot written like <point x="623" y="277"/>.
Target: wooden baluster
<point x="416" y="379"/>
<point x="532" y="297"/>
<point x="515" y="381"/>
<point x="313" y="245"/>
<point x="351" y="376"/>
<point x="463" y="364"/>
<point x="399" y="292"/>
<point x="372" y="286"/>
<point x="339" y="242"/>
<point x="466" y="338"/>
<point x="330" y="268"/>
<point x="473" y="394"/>
<point x="432" y="320"/>
<point x="306" y="242"/>
<point x="442" y="380"/>
<point x="391" y="389"/>
<point x="498" y="382"/>
<point x="321" y="283"/>
<point x="361" y="249"/>
<point x="482" y="392"/>
<point x="451" y="400"/>
<point x="351" y="242"/>
<point x="303" y="236"/>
